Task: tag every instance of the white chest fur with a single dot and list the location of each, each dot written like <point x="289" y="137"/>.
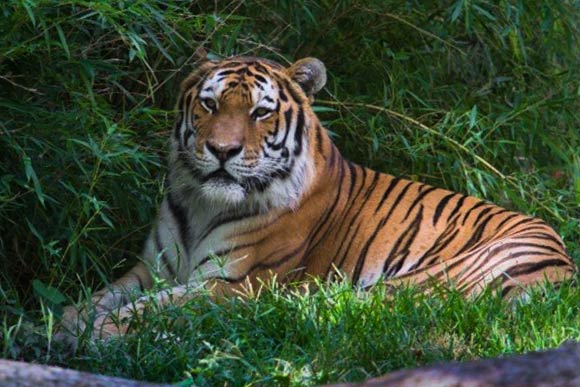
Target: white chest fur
<point x="192" y="241"/>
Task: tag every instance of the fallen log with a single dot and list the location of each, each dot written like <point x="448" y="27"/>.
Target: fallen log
<point x="553" y="368"/>
<point x="15" y="373"/>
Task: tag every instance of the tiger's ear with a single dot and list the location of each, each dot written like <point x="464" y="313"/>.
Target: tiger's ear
<point x="202" y="65"/>
<point x="200" y="55"/>
<point x="309" y="73"/>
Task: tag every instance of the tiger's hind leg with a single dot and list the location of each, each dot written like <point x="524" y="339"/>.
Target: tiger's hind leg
<point x="510" y="264"/>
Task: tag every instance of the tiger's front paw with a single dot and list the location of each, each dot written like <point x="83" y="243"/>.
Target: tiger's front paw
<point x="101" y="326"/>
<point x="109" y="325"/>
<point x="72" y="325"/>
<point x="118" y="322"/>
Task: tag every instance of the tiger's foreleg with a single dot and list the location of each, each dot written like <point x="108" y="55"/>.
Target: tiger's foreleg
<point x="75" y="320"/>
<point x="119" y="322"/>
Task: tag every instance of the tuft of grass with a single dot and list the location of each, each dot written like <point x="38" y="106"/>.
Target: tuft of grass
<point x="476" y="96"/>
<point x="285" y="337"/>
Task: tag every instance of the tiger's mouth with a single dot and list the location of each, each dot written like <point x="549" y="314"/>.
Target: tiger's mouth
<point x="220" y="175"/>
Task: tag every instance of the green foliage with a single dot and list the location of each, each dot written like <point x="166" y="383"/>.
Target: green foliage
<point x="477" y="96"/>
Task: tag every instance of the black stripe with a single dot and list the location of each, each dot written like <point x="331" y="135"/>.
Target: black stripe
<point x="182" y="156"/>
<point x="387" y="192"/>
<point x="276" y="129"/>
<point x="319" y="138"/>
<point x="354" y="217"/>
<point x="540" y="235"/>
<point x="514" y="245"/>
<point x="177" y="127"/>
<point x="187" y="110"/>
<point x="520" y="222"/>
<point x="433" y="252"/>
<point x="164" y="259"/>
<point x="260" y="78"/>
<point x="295" y="96"/>
<point x="323" y="220"/>
<point x="139" y="282"/>
<point x="362" y="256"/>
<point x="528" y="268"/>
<point x="186" y="136"/>
<point x="370" y="240"/>
<point x="444" y="271"/>
<point x="399" y="198"/>
<point x="482" y="214"/>
<point x="476" y="236"/>
<point x="521" y="269"/>
<point x="299" y="131"/>
<point x="407" y="237"/>
<point x="441" y="206"/>
<point x="417" y="200"/>
<point x="506" y="290"/>
<point x="351" y="203"/>
<point x="206" y="259"/>
<point x="479" y="204"/>
<point x="222" y="219"/>
<point x="360" y="261"/>
<point x="348" y="240"/>
<point x="458" y="206"/>
<point x="372" y="187"/>
<point x="225" y="252"/>
<point x="224" y="73"/>
<point x="507" y="219"/>
<point x="352" y="170"/>
<point x="333" y="156"/>
<point x="261" y="226"/>
<point x="264" y="69"/>
<point x="262" y="266"/>
<point x="288" y="121"/>
<point x="180" y="215"/>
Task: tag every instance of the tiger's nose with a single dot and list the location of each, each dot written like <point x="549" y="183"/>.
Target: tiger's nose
<point x="223" y="151"/>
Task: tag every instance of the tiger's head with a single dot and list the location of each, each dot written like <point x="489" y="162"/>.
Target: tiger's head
<point x="241" y="135"/>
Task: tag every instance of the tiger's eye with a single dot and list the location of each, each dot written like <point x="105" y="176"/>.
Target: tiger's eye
<point x="261" y="112"/>
<point x="209" y="103"/>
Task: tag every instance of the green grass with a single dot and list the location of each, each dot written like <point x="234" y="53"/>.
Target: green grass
<point x="477" y="96"/>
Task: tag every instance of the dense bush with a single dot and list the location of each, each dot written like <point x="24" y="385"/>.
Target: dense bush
<point x="476" y="96"/>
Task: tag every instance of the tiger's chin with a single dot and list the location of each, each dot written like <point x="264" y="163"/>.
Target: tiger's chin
<point x="219" y="193"/>
<point x="223" y="193"/>
<point x="221" y="189"/>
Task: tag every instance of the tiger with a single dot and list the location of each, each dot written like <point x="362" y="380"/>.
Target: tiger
<point x="257" y="191"/>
